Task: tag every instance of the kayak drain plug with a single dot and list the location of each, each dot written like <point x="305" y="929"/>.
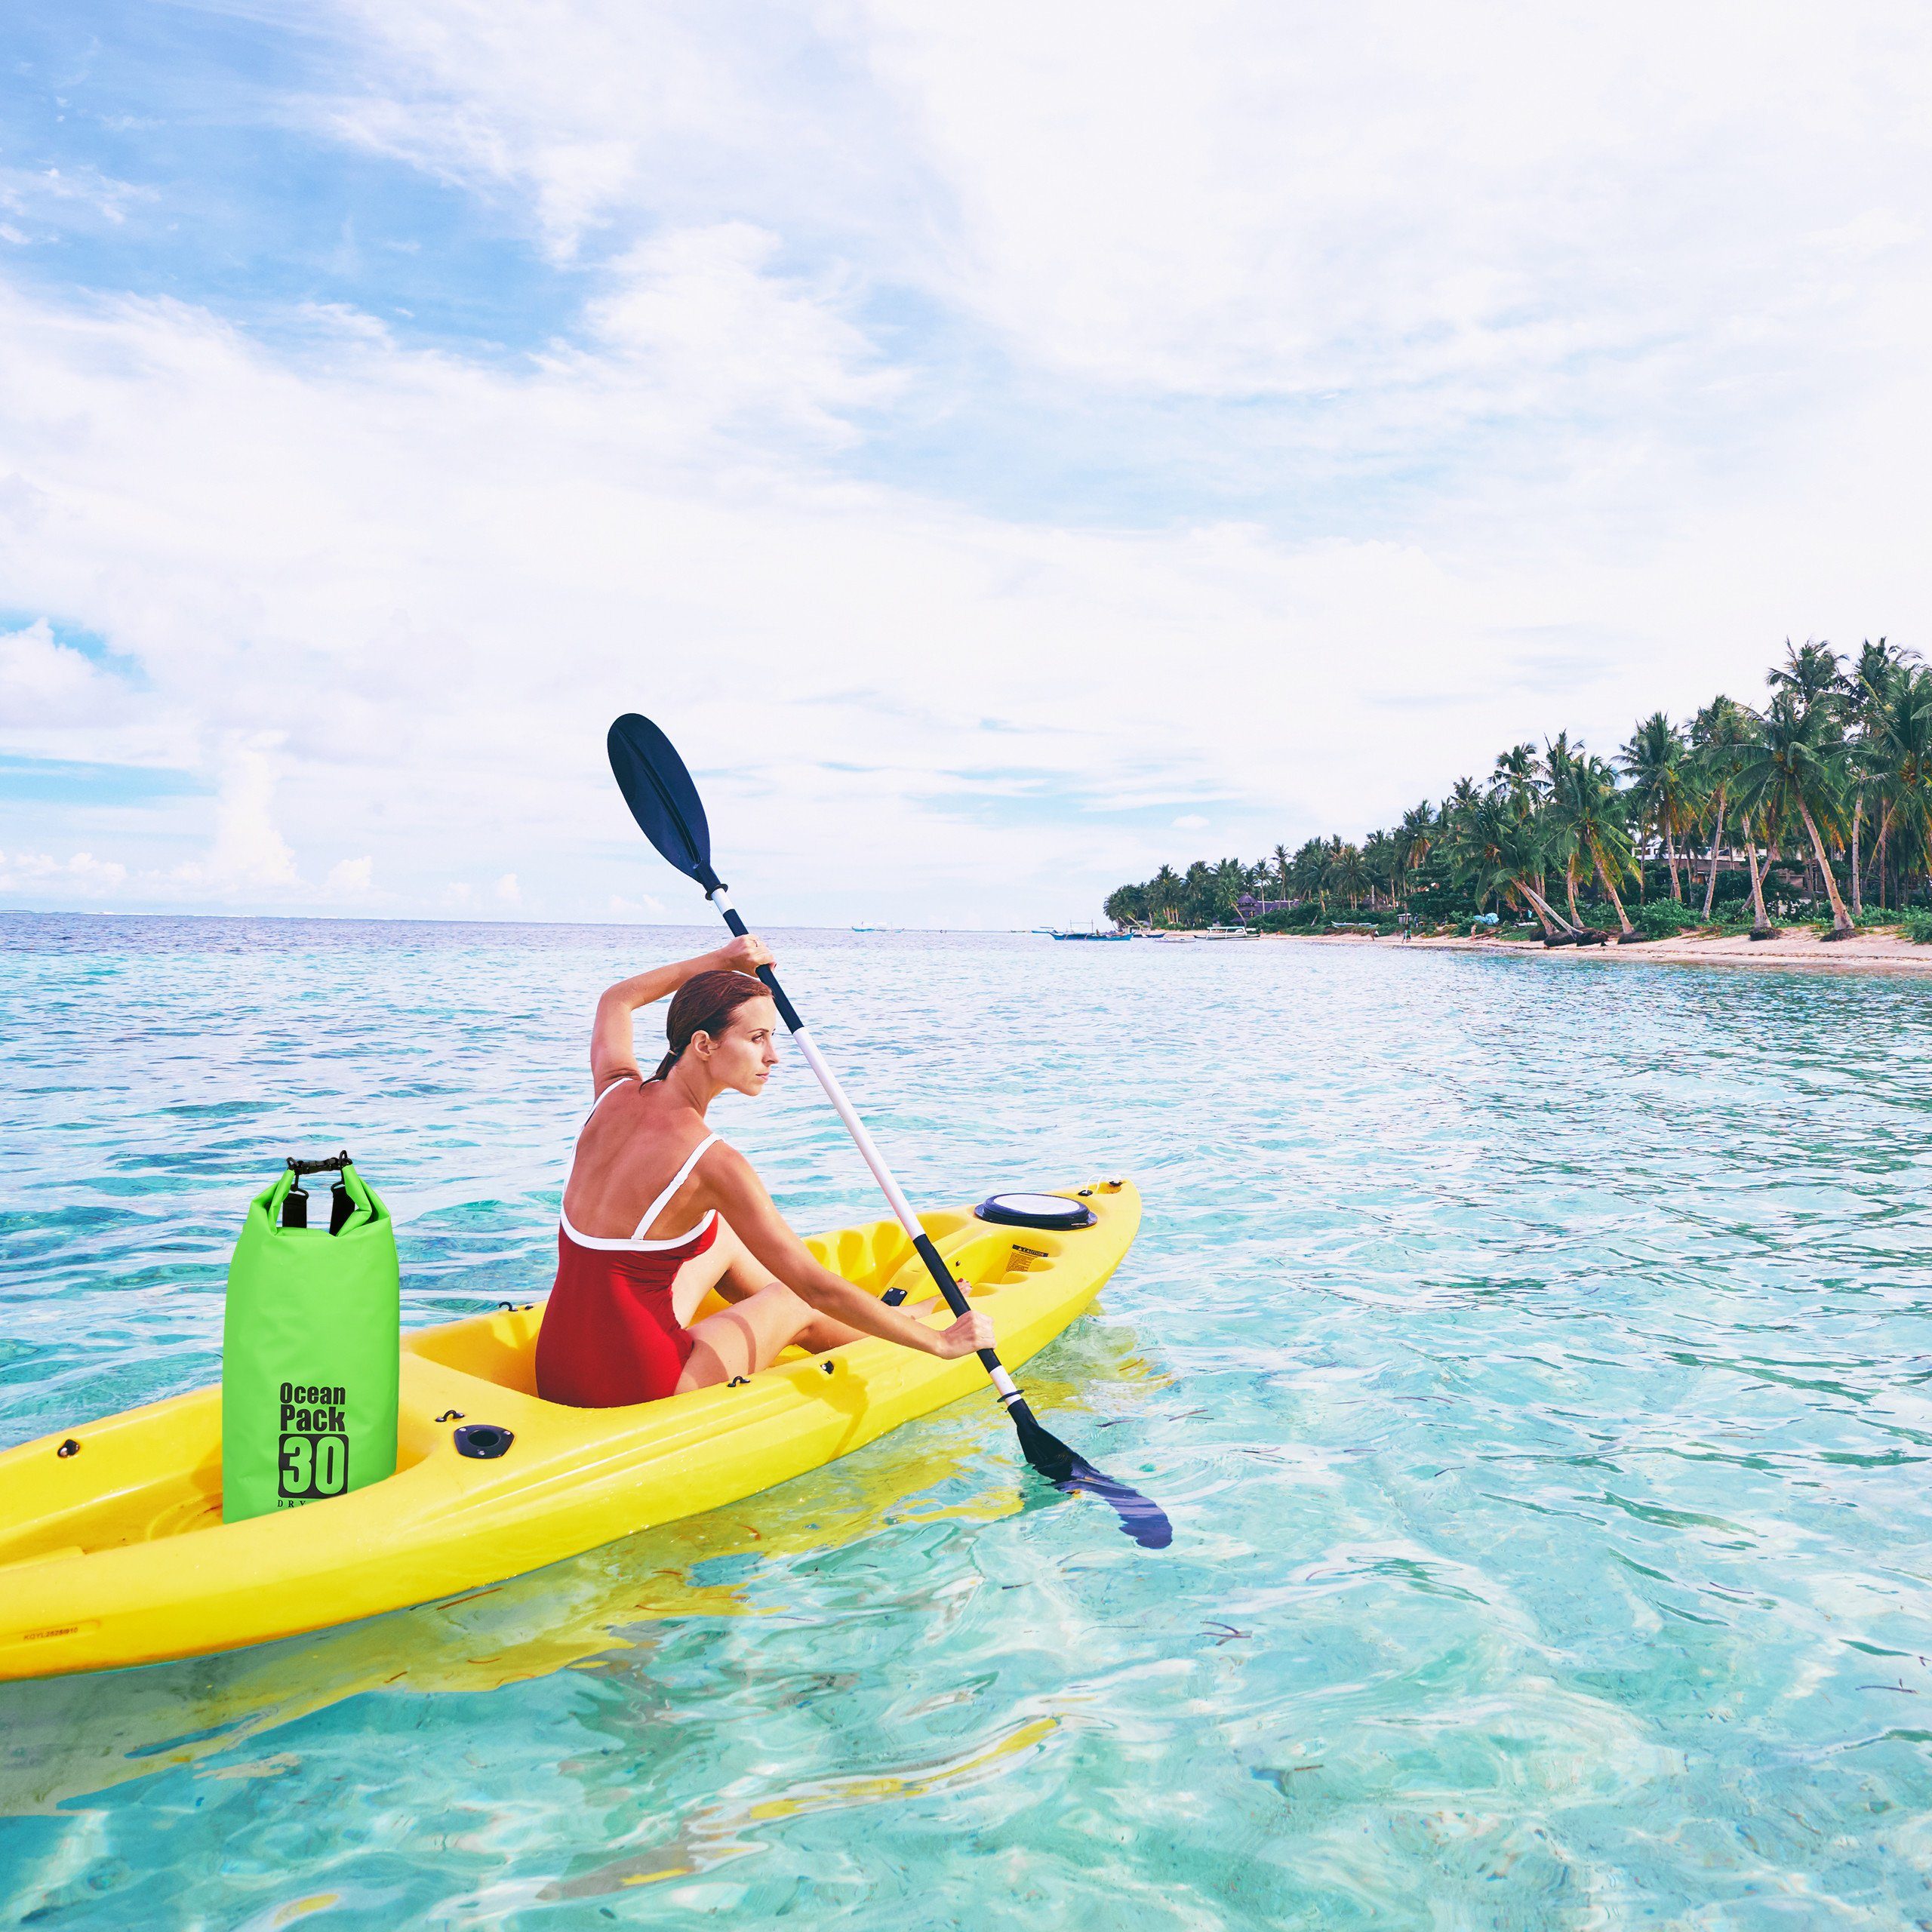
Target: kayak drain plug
<point x="482" y="1440"/>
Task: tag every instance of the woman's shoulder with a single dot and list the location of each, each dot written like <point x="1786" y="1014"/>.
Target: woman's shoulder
<point x="724" y="1168"/>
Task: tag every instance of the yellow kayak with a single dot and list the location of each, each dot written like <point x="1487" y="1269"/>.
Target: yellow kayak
<point x="113" y="1550"/>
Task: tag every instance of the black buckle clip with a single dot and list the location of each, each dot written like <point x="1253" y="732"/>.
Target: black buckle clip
<point x="334" y="1165"/>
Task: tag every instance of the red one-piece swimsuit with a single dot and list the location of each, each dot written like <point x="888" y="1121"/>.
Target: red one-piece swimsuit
<point x="610" y="1336"/>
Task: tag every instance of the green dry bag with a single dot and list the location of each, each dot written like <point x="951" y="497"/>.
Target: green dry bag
<point x="311" y="1347"/>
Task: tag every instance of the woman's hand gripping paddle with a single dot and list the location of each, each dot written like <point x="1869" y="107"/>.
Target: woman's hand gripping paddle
<point x="666" y="805"/>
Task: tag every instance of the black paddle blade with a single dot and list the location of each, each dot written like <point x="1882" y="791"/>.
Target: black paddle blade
<point x="661" y="796"/>
<point x="1140" y="1517"/>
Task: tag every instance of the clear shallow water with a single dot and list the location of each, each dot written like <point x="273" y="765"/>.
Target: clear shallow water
<point x="1535" y="1364"/>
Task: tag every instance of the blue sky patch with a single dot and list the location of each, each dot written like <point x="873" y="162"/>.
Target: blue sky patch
<point x="58" y="781"/>
<point x="154" y="151"/>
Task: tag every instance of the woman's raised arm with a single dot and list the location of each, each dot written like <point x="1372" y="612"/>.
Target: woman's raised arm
<point x="612" y="1040"/>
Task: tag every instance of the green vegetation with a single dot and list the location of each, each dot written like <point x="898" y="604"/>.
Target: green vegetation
<point x="1822" y="799"/>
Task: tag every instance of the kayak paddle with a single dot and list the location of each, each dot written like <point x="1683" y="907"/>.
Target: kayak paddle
<point x="666" y="805"/>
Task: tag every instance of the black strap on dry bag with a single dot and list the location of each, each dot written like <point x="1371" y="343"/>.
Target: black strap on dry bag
<point x="295" y="1203"/>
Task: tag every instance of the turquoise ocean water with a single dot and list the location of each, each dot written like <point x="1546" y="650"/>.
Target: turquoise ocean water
<point x="1536" y="1361"/>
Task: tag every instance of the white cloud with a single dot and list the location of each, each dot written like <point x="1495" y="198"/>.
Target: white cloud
<point x="594" y="111"/>
<point x="507" y="891"/>
<point x="401" y="597"/>
<point x="1496" y="374"/>
<point x="638" y="906"/>
<point x="249" y="857"/>
<point x="45" y="683"/>
<point x="704" y="315"/>
<point x="58" y="195"/>
<point x="350" y="879"/>
<point x="1419" y="224"/>
<point x="81" y="875"/>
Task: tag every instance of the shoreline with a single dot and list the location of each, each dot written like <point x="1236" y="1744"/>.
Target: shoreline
<point x="1799" y="948"/>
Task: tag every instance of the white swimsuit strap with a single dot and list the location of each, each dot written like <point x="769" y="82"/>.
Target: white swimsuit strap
<point x="677" y="1180"/>
<point x="602" y="1097"/>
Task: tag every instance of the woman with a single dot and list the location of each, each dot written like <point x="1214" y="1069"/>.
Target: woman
<point x="658" y="1211"/>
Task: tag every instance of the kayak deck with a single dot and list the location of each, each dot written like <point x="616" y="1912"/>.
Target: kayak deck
<point x="114" y="1551"/>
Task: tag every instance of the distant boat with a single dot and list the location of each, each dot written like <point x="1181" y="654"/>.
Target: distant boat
<point x="1228" y="932"/>
<point x="1107" y="939"/>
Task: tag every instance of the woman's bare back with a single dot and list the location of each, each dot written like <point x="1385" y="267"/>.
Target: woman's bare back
<point x="635" y="1140"/>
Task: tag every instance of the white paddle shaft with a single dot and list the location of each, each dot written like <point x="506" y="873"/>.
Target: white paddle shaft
<point x="895" y="1196"/>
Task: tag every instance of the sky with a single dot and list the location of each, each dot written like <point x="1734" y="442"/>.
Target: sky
<point x="1006" y="447"/>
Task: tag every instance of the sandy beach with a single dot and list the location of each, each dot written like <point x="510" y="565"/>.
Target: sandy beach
<point x="1799" y="947"/>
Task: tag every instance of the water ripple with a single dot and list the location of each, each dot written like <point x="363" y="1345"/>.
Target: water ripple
<point x="1537" y="1366"/>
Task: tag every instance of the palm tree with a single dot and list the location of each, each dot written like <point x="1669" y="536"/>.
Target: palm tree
<point x="1718" y="733"/>
<point x="1587" y="816"/>
<point x="1493" y="849"/>
<point x="1560" y="840"/>
<point x="1230" y="879"/>
<point x="1462" y="794"/>
<point x="1282" y="864"/>
<point x="1415" y="837"/>
<point x="1382" y="865"/>
<point x="1309" y="867"/>
<point x="1793" y="766"/>
<point x="1517" y="777"/>
<point x="1347" y="873"/>
<point x="1197" y="888"/>
<point x="1657" y="760"/>
<point x="1810" y="672"/>
<point x="1867" y="684"/>
<point x="1164" y="894"/>
<point x="1749" y="817"/>
<point x="1897" y="758"/>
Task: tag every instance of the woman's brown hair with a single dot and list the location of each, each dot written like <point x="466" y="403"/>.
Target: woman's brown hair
<point x="705" y="1003"/>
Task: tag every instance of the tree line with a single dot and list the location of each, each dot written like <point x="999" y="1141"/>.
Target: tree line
<point x="1829" y="778"/>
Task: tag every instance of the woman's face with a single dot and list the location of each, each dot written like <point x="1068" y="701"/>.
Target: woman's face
<point x="743" y="1056"/>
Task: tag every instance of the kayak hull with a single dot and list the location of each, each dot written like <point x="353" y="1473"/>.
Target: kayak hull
<point x="114" y="1554"/>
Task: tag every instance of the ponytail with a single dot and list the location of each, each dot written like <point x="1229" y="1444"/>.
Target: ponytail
<point x="705" y="1003"/>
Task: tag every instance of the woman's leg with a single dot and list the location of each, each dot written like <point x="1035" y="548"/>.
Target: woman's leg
<point x="749" y="1335"/>
<point x="727" y="1266"/>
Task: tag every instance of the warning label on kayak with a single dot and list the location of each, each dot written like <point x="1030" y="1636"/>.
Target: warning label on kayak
<point x="314" y="1454"/>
